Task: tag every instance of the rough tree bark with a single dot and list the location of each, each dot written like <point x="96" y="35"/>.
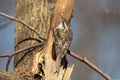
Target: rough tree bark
<point x="37" y="63"/>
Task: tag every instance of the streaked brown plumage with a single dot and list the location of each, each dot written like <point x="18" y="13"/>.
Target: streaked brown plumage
<point x="62" y="39"/>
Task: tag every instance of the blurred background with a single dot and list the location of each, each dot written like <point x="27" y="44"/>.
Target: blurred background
<point x="6" y="31"/>
<point x="96" y="29"/>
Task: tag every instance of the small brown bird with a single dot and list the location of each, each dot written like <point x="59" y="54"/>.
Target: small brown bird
<point x="62" y="39"/>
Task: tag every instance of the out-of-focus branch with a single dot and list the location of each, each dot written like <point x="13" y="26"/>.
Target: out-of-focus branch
<point x="20" y="21"/>
<point x="10" y="55"/>
<point x="91" y="65"/>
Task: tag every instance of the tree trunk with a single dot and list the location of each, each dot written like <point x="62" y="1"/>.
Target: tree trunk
<point x="37" y="63"/>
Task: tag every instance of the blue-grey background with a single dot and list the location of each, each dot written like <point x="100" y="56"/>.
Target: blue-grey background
<point x="96" y="28"/>
<point x="6" y="31"/>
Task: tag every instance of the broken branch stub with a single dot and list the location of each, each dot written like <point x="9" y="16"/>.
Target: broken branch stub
<point x="65" y="9"/>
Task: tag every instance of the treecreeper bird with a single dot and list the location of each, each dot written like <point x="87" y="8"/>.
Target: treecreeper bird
<point x="62" y="40"/>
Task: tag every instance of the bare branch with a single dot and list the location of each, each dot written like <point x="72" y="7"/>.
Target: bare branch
<point x="8" y="62"/>
<point x="20" y="21"/>
<point x="91" y="65"/>
<point x="10" y="55"/>
<point x="30" y="38"/>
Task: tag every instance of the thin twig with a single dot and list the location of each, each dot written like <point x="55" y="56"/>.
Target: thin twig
<point x="35" y="39"/>
<point x="20" y="21"/>
<point x="10" y="55"/>
<point x="8" y="62"/>
<point x="91" y="65"/>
